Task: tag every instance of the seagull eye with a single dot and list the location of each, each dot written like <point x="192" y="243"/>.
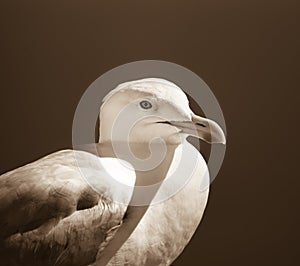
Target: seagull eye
<point x="145" y="104"/>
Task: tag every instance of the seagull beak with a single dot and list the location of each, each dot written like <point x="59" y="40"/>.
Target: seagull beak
<point x="203" y="128"/>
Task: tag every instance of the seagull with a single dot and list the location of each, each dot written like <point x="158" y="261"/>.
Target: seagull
<point x="138" y="201"/>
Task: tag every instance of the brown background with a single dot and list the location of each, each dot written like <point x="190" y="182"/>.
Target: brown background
<point x="246" y="51"/>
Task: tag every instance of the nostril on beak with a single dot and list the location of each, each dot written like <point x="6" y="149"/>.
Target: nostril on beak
<point x="164" y="122"/>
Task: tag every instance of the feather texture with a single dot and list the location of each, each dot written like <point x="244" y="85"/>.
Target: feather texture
<point x="51" y="216"/>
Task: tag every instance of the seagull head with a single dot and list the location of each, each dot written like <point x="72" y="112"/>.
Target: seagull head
<point x="143" y="110"/>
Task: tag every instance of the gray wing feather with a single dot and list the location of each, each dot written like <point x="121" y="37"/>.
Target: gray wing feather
<point x="49" y="215"/>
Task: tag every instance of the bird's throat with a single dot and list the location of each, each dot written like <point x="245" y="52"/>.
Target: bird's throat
<point x="151" y="164"/>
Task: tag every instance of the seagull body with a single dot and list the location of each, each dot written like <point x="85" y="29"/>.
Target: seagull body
<point x="65" y="209"/>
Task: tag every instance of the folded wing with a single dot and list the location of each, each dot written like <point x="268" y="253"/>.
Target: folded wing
<point x="61" y="209"/>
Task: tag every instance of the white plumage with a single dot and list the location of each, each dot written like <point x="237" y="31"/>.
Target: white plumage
<point x="56" y="211"/>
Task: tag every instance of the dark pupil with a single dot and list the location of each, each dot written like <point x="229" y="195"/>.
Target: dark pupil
<point x="146" y="104"/>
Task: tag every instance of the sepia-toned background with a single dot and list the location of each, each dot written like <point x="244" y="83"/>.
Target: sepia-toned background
<point x="246" y="51"/>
